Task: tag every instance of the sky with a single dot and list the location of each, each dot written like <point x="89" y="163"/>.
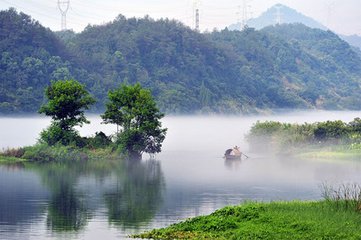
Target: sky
<point x="340" y="16"/>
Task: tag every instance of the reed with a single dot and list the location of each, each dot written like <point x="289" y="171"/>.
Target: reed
<point x="13" y="152"/>
<point x="345" y="196"/>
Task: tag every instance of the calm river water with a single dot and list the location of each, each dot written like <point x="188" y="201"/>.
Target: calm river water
<point x="110" y="200"/>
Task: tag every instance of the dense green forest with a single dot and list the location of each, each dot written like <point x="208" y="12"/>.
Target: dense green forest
<point x="285" y="66"/>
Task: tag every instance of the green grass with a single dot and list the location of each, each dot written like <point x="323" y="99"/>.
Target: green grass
<point x="332" y="154"/>
<point x="276" y="220"/>
<point x="42" y="153"/>
<point x="6" y="159"/>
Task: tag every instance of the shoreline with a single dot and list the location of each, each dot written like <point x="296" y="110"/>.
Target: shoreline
<point x="274" y="220"/>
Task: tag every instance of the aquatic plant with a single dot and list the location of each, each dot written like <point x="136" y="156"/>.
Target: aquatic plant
<point x="346" y="195"/>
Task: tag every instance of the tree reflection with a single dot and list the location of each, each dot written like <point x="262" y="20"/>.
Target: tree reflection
<point x="131" y="191"/>
<point x="136" y="196"/>
<point x="67" y="209"/>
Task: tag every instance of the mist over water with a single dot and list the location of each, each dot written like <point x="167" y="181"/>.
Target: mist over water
<point x="188" y="178"/>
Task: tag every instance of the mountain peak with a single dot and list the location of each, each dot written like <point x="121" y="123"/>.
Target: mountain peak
<point x="279" y="13"/>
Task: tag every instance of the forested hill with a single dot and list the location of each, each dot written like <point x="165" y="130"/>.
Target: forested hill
<point x="187" y="71"/>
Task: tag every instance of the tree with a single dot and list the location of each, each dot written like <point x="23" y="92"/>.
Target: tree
<point x="67" y="101"/>
<point x="134" y="109"/>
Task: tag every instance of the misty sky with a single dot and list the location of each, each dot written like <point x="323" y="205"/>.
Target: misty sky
<point x="341" y="16"/>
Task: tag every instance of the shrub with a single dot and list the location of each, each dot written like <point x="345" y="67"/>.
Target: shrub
<point x="100" y="140"/>
<point x="279" y="136"/>
<point x="13" y="152"/>
<point x="330" y="130"/>
<point x="54" y="134"/>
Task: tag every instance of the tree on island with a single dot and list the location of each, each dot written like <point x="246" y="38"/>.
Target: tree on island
<point x="134" y="109"/>
<point x="67" y="101"/>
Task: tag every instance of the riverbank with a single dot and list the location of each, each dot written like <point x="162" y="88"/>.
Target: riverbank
<point x="275" y="220"/>
<point x="346" y="154"/>
<point x="43" y="153"/>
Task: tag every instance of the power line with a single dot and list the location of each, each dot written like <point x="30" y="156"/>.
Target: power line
<point x="29" y="12"/>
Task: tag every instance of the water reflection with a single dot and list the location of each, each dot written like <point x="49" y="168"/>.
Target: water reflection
<point x="130" y="191"/>
<point x="67" y="209"/>
<point x="232" y="164"/>
<point x="22" y="197"/>
<point x="137" y="195"/>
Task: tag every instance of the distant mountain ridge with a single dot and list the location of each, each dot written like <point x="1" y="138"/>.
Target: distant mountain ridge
<point x="290" y="16"/>
<point x="287" y="15"/>
<point x="284" y="66"/>
<point x="354" y="40"/>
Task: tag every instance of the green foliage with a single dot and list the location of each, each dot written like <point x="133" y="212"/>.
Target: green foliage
<point x="30" y="54"/>
<point x="100" y="140"/>
<point x="59" y="153"/>
<point x="355" y="125"/>
<point x="281" y="136"/>
<point x="55" y="134"/>
<point x="276" y="220"/>
<point x="134" y="109"/>
<point x="331" y="130"/>
<point x="286" y="66"/>
<point x="67" y="101"/>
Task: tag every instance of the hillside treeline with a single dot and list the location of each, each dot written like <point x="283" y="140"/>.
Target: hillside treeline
<point x="286" y="66"/>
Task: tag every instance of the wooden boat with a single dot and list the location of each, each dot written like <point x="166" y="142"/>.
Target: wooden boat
<point x="233" y="157"/>
<point x="230" y="154"/>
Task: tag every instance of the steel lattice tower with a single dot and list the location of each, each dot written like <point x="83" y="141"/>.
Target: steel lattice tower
<point x="63" y="6"/>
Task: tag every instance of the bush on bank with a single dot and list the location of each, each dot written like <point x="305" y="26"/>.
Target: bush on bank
<point x="283" y="136"/>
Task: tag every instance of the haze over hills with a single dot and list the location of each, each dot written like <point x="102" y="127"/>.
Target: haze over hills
<point x="187" y="71"/>
<point x="354" y="40"/>
<point x="285" y="14"/>
<point x="288" y="15"/>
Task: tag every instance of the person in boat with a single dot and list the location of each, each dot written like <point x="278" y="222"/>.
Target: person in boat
<point x="234" y="153"/>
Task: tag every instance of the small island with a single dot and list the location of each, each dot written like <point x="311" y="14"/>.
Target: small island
<point x="131" y="107"/>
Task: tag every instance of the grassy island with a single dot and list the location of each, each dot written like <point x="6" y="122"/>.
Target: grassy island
<point x="330" y="139"/>
<point x="275" y="220"/>
<point x="131" y="107"/>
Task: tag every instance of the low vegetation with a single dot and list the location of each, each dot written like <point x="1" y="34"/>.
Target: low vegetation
<point x="328" y="139"/>
<point x="276" y="220"/>
<point x="336" y="217"/>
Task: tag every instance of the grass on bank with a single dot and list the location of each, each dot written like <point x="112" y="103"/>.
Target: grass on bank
<point x="332" y="154"/>
<point x="42" y="153"/>
<point x="275" y="220"/>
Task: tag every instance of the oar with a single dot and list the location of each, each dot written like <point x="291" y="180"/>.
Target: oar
<point x="245" y="155"/>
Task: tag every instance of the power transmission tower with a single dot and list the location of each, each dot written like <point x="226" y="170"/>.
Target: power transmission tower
<point x="278" y="15"/>
<point x="244" y="14"/>
<point x="197" y="19"/>
<point x="330" y="6"/>
<point x="63" y="6"/>
<point x="196" y="4"/>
